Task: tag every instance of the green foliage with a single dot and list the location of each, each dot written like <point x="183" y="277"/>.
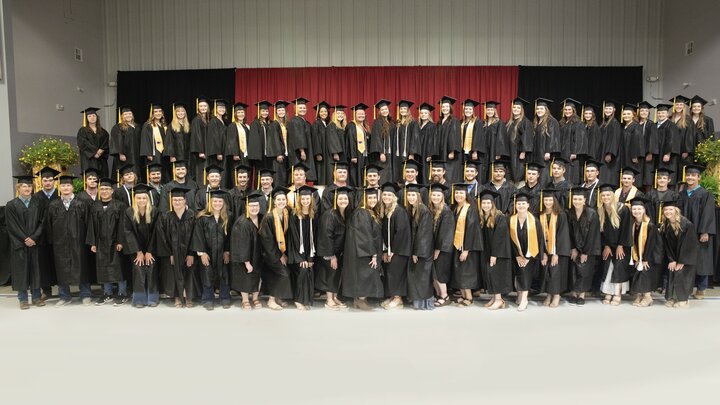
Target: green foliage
<point x="47" y="151"/>
<point x="78" y="185"/>
<point x="708" y="152"/>
<point x="711" y="184"/>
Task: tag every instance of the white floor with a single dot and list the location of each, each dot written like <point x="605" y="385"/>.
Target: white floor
<point x="595" y="354"/>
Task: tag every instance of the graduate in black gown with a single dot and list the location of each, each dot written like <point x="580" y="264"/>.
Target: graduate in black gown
<point x="240" y="190"/>
<point x="686" y="128"/>
<point x="104" y="236"/>
<point x="302" y="232"/>
<point x="246" y="253"/>
<point x="331" y="245"/>
<point x="443" y="232"/>
<point x="527" y="238"/>
<point x="468" y="244"/>
<point x="24" y="221"/>
<point x="495" y="135"/>
<point x="449" y="145"/>
<point x="668" y="138"/>
<point x="499" y="184"/>
<point x="339" y="179"/>
<point x="592" y="132"/>
<point x="546" y="143"/>
<point x="591" y="183"/>
<point x="397" y="246"/>
<point x="616" y="232"/>
<point x="154" y="143"/>
<point x="496" y="265"/>
<point x="405" y="140"/>
<point x="66" y="227"/>
<point x="558" y="181"/>
<point x="520" y="140"/>
<point x="555" y="261"/>
<point x="89" y="193"/>
<point x="680" y="244"/>
<point x="326" y="146"/>
<point x="410" y="176"/>
<point x="211" y="242"/>
<point x="237" y="137"/>
<point x="627" y="190"/>
<point x="273" y="239"/>
<point x="704" y="125"/>
<point x="698" y="206"/>
<point x="93" y="143"/>
<point x="155" y="179"/>
<point x="611" y="134"/>
<point x="215" y="140"/>
<point x="266" y="189"/>
<point x="124" y="142"/>
<point x="178" y="263"/>
<point x="178" y="136"/>
<point x="427" y="139"/>
<point x="357" y="149"/>
<point x="532" y="187"/>
<point x="277" y="144"/>
<point x="362" y="269"/>
<point x="140" y="245"/>
<point x="48" y="192"/>
<point x="198" y="135"/>
<point x="437" y="176"/>
<point x="335" y="142"/>
<point x="300" y="147"/>
<point x="585" y="244"/>
<point x="298" y="174"/>
<point x="650" y="144"/>
<point x="660" y="194"/>
<point x="381" y="141"/>
<point x="180" y="179"/>
<point x="645" y="253"/>
<point x="473" y="144"/>
<point x="632" y="148"/>
<point x="213" y="182"/>
<point x="258" y="153"/>
<point x="420" y="282"/>
<point x="573" y="139"/>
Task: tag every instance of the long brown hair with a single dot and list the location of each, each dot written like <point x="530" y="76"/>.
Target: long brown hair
<point x="450" y="114"/>
<point x="208" y="212"/>
<point x="574" y="118"/>
<point x="543" y="122"/>
<point x="414" y="210"/>
<point x="516" y="121"/>
<point x="591" y="121"/>
<point x="488" y="219"/>
<point x="436" y="210"/>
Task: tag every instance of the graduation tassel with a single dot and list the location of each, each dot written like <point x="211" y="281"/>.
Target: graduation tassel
<point x="274" y="113"/>
<point x="656" y="175"/>
<point x="84" y="118"/>
<point x="258" y="180"/>
<point x="335" y="201"/>
<point x="374" y="114"/>
<point x="236" y="182"/>
<point x="197" y="105"/>
<point x="541" y="201"/>
<point x="364" y="197"/>
<point x="174" y="175"/>
<point x="118" y="176"/>
<point x="603" y="111"/>
<point x="430" y="174"/>
<point x="334" y="174"/>
<point x="397" y="113"/>
<point x="515" y="202"/>
<point x="292" y="174"/>
<point x="620" y="185"/>
<point x="660" y="207"/>
<point x="585" y="172"/>
<point x="84" y="181"/>
<point x="526" y="170"/>
<point x="683" y="173"/>
<point x="132" y="196"/>
<point x="204" y="176"/>
<point x="464" y="169"/>
<point x="119" y="116"/>
<point x="247" y="208"/>
<point x="233" y="114"/>
<point x="296" y="105"/>
<point x="569" y="199"/>
<point x="655" y="116"/>
<point x="452" y="191"/>
<point x="599" y="203"/>
<point x="364" y="176"/>
<point x="492" y="170"/>
<point x="258" y="110"/>
<point x="147" y="174"/>
<point x="214" y="108"/>
<point x="405" y="196"/>
<point x="150" y="115"/>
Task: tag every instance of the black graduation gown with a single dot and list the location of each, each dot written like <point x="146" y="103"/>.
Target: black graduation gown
<point x="276" y="147"/>
<point x="533" y="201"/>
<point x="443" y="232"/>
<point x="210" y="237"/>
<point x="300" y="137"/>
<point x="420" y="274"/>
<point x="245" y="247"/>
<point x="654" y="209"/>
<point x="546" y="142"/>
<point x="381" y="142"/>
<point x="427" y="139"/>
<point x="504" y="201"/>
<point x="647" y="280"/>
<point x="706" y="132"/>
<point x="165" y="202"/>
<point x="173" y="239"/>
<point x="687" y="143"/>
<point x="573" y="141"/>
<point x="48" y="276"/>
<point x="301" y="278"/>
<point x="66" y="231"/>
<point x="614" y="237"/>
<point x="258" y="152"/>
<point x="592" y="195"/>
<point x="700" y="210"/>
<point x="237" y="197"/>
<point x="88" y="143"/>
<point x="498" y="278"/>
<point x="397" y="239"/>
<point x="140" y="237"/>
<point x="324" y="145"/>
<point x="611" y="134"/>
<point x="595" y="141"/>
<point x="497" y="138"/>
<point x="330" y="242"/>
<point x="478" y="145"/>
<point x="668" y="135"/>
<point x="275" y="275"/>
<point x="651" y="147"/>
<point x="467" y="274"/>
<point x="554" y="279"/>
<point x="149" y="150"/>
<point x="448" y="140"/>
<point x="105" y="228"/>
<point x="363" y="239"/>
<point x="125" y="142"/>
<point x="335" y="143"/>
<point x="356" y="173"/>
<point x="404" y="142"/>
<point x="401" y="195"/>
<point x="215" y="143"/>
<point x="179" y="144"/>
<point x="633" y="147"/>
<point x="25" y="222"/>
<point x="328" y="198"/>
<point x="232" y="149"/>
<point x="585" y="238"/>
<point x="520" y="138"/>
<point x="198" y="134"/>
<point x="202" y="197"/>
<point x="524" y="276"/>
<point x="681" y="248"/>
<point x="563" y="192"/>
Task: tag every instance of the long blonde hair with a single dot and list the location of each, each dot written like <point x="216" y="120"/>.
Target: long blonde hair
<point x="298" y="208"/>
<point x="337" y="122"/>
<point x="407" y="119"/>
<point x="436" y="210"/>
<point x="614" y="207"/>
<point x="674" y="225"/>
<point x="180" y="126"/>
<point x="682" y="121"/>
<point x="387" y="212"/>
<point x="543" y="122"/>
<point x="414" y="210"/>
<point x="208" y="212"/>
<point x="148" y="213"/>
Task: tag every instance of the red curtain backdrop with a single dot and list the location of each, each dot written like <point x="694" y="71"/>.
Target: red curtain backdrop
<point x="352" y="85"/>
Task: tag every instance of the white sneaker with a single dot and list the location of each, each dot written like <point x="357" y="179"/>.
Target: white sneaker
<point x="87" y="301"/>
<point x="62" y="303"/>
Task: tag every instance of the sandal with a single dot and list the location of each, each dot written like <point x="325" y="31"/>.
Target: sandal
<point x="257" y="304"/>
<point x="274" y="306"/>
<point x="606" y="300"/>
<point x="466" y="303"/>
<point x="178" y="303"/>
<point x="339" y="303"/>
<point x="441" y="302"/>
<point x="189" y="304"/>
<point x="246" y="306"/>
<point x="616" y="302"/>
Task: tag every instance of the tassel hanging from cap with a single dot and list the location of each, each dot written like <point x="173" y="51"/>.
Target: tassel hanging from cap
<point x="147" y="174"/>
<point x="515" y="203"/>
<point x="603" y="111"/>
<point x="334" y="174"/>
<point x="214" y="108"/>
<point x="621" y="172"/>
<point x="233" y="114"/>
<point x="585" y="172"/>
<point x="236" y="181"/>
<point x="204" y="176"/>
<point x="655" y="181"/>
<point x="275" y="113"/>
<point x="683" y="173"/>
<point x="364" y="176"/>
<point x="569" y="199"/>
<point x="197" y="105"/>
<point x="541" y="201"/>
<point x="430" y="174"/>
<point x="119" y="116"/>
<point x="151" y="114"/>
<point x="174" y="175"/>
<point x="526" y="170"/>
<point x="335" y="200"/>
<point x="84" y="118"/>
<point x="247" y="207"/>
<point x="84" y="181"/>
<point x="364" y="198"/>
<point x="660" y="207"/>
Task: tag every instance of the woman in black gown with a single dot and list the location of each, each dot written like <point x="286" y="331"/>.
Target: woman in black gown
<point x="496" y="265"/>
<point x="420" y="287"/>
<point x="330" y="248"/>
<point x="93" y="143"/>
<point x="520" y="134"/>
<point x="139" y="236"/>
<point x="681" y="251"/>
<point x="585" y="244"/>
<point x="273" y="234"/>
<point x="301" y="246"/>
<point x="449" y="146"/>
<point x="555" y="260"/>
<point x="645" y="253"/>
<point x="467" y="245"/>
<point x="246" y="253"/>
<point x="611" y="134"/>
<point x="198" y="133"/>
<point x="357" y="148"/>
<point x="546" y="143"/>
<point x="616" y="231"/>
<point x="443" y="231"/>
<point x="397" y="246"/>
<point x="382" y="131"/>
<point x="527" y="236"/>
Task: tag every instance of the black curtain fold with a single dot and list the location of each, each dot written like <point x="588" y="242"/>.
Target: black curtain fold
<point x="586" y="84"/>
<point x="140" y="88"/>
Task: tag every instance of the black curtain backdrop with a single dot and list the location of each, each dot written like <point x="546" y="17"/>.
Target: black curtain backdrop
<point x="586" y="84"/>
<point x="140" y="88"/>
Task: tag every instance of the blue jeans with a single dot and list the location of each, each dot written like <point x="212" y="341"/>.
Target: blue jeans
<point x="23" y="295"/>
<point x="64" y="291"/>
<point x="702" y="282"/>
<point x="122" y="288"/>
<point x="208" y="293"/>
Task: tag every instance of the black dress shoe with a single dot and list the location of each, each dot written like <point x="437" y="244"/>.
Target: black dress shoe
<point x="572" y="300"/>
<point x="209" y="306"/>
<point x="580" y="302"/>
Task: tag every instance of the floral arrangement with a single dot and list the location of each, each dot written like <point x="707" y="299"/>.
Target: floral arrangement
<point x="708" y="153"/>
<point x="49" y="151"/>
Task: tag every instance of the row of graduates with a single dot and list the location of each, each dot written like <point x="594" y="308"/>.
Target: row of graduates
<point x="382" y="248"/>
<point x="585" y="131"/>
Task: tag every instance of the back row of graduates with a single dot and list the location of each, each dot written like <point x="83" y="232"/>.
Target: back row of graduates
<point x="585" y="131"/>
<point x="385" y="240"/>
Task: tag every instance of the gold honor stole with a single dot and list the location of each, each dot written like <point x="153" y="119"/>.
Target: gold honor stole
<point x="467" y="142"/>
<point x="549" y="230"/>
<point x="360" y="138"/>
<point x="630" y="195"/>
<point x="242" y="138"/>
<point x="459" y="237"/>
<point x="638" y="251"/>
<point x="280" y="229"/>
<point x="157" y="138"/>
<point x="533" y="247"/>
